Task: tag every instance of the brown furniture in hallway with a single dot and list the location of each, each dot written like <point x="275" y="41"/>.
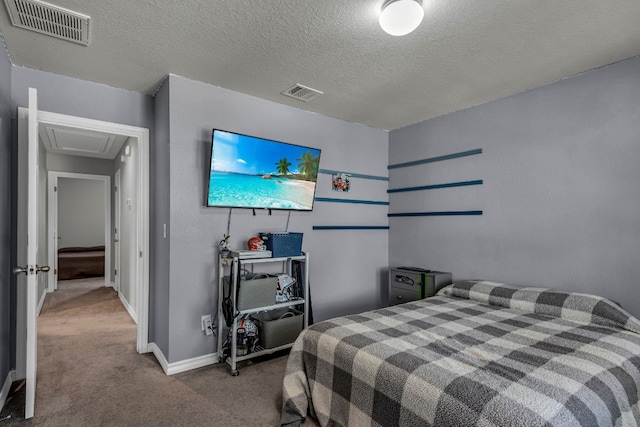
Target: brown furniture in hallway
<point x="80" y="262"/>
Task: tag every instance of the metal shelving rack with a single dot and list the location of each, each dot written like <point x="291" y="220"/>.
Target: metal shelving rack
<point x="232" y="263"/>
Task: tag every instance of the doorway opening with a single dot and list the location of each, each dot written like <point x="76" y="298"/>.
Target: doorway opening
<point x="138" y="207"/>
<point x="79" y="227"/>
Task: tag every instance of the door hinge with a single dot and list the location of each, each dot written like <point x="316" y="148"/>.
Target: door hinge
<point x="116" y="272"/>
<point x="55" y="188"/>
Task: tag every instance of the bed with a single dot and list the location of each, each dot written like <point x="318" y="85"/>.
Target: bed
<point x="80" y="262"/>
<point x="477" y="354"/>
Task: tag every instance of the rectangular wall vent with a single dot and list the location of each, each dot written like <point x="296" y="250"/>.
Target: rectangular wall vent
<point x="302" y="93"/>
<point x="48" y="19"/>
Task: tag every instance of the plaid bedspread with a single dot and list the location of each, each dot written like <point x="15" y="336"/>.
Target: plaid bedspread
<point x="477" y="354"/>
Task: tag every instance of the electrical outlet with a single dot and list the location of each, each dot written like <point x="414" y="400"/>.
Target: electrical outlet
<point x="206" y="318"/>
<point x="208" y="327"/>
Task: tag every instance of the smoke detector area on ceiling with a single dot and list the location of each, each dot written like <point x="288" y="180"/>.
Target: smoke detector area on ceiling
<point x="301" y="92"/>
<point x="49" y="19"/>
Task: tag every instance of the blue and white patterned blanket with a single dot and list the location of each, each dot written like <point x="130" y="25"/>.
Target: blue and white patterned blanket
<point x="477" y="354"/>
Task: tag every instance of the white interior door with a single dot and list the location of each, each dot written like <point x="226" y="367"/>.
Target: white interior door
<point x="28" y="269"/>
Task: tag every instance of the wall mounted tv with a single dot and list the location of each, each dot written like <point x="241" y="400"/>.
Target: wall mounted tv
<point x="256" y="173"/>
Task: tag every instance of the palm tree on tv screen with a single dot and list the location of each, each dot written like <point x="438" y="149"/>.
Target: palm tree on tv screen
<point x="309" y="165"/>
<point x="283" y="166"/>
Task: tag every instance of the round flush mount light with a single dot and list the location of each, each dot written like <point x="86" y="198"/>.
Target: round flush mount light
<point x="400" y="17"/>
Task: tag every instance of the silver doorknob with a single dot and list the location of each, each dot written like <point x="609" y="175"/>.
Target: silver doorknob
<point x="44" y="269"/>
<point x="19" y="270"/>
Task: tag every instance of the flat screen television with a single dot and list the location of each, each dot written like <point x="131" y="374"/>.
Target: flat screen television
<point x="257" y="173"/>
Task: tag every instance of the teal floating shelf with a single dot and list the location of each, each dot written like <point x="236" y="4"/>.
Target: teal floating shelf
<point x="363" y="202"/>
<point x="436" y="159"/>
<point x="436" y="186"/>
<point x="443" y="213"/>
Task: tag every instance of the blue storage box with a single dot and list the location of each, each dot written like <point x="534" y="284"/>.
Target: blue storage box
<point x="283" y="244"/>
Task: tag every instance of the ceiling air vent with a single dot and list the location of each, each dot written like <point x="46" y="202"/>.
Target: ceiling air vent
<point x="302" y="93"/>
<point x="48" y="19"/>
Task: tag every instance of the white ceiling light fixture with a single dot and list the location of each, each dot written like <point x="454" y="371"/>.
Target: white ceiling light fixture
<point x="400" y="17"/>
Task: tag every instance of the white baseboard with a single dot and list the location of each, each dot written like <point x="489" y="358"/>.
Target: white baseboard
<point x="4" y="392"/>
<point x="183" y="365"/>
<point x="159" y="356"/>
<point x="127" y="307"/>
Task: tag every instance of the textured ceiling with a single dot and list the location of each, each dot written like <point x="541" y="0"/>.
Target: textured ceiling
<point x="464" y="53"/>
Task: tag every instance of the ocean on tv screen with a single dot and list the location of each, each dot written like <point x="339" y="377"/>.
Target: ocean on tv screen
<point x="259" y="191"/>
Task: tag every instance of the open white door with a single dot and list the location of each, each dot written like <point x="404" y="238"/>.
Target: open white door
<point x="28" y="269"/>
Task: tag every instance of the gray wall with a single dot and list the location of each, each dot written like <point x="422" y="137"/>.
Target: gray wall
<point x="81" y="212"/>
<point x="7" y="325"/>
<point x="160" y="205"/>
<point x="560" y="193"/>
<point x="66" y="95"/>
<point x="345" y="276"/>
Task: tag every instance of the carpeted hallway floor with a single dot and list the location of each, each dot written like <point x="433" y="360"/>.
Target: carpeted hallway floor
<point x="89" y="374"/>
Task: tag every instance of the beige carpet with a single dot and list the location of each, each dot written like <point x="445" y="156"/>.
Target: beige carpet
<point x="89" y="373"/>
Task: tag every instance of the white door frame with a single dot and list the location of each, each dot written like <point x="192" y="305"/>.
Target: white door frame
<point x="116" y="227"/>
<point x="142" y="215"/>
<point x="52" y="205"/>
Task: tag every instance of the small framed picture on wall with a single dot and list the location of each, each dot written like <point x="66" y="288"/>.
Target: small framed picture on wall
<point x="341" y="182"/>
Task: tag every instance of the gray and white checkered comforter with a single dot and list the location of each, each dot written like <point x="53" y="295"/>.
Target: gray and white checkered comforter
<point x="477" y="354"/>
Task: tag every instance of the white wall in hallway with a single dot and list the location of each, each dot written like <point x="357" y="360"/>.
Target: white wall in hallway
<point x="81" y="212"/>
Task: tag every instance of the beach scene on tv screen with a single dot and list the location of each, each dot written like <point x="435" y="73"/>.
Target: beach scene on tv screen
<point x="257" y="173"/>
